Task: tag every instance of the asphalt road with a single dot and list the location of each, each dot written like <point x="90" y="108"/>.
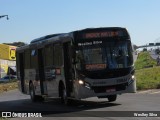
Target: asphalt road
<point x="135" y="56"/>
<point x="123" y="106"/>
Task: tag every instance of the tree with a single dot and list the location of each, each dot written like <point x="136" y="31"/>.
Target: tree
<point x="18" y="44"/>
<point x="135" y="47"/>
<point x="144" y="49"/>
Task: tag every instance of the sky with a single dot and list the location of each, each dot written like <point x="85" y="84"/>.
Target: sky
<point x="30" y="19"/>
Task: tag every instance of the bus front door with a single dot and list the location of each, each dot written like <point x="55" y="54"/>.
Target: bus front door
<point x="68" y="67"/>
<point x="41" y="71"/>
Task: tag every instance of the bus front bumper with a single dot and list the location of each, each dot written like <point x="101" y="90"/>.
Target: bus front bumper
<point x="84" y="90"/>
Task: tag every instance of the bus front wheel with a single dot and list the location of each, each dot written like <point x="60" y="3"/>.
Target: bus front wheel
<point x="63" y="95"/>
<point x="32" y="92"/>
<point x="112" y="98"/>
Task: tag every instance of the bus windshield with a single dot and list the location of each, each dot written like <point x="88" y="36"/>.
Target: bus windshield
<point x="104" y="55"/>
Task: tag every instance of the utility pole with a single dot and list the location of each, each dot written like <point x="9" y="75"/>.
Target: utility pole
<point x="1" y="16"/>
<point x="4" y="16"/>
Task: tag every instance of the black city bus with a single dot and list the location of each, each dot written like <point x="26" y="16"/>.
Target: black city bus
<point x="76" y="65"/>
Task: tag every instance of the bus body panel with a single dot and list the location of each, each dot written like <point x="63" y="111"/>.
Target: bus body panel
<point x="52" y="87"/>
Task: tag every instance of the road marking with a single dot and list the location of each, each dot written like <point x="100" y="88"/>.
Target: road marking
<point x="146" y="91"/>
<point x="155" y="92"/>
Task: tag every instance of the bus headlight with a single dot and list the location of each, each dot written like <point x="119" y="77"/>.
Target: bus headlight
<point x="87" y="85"/>
<point x="133" y="77"/>
<point x="80" y="82"/>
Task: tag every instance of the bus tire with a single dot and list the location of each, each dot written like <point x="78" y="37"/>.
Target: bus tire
<point x="63" y="95"/>
<point x="34" y="97"/>
<point x="112" y="98"/>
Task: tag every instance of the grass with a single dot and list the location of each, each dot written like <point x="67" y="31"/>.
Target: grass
<point x="144" y="60"/>
<point x="147" y="78"/>
<point x="8" y="86"/>
<point x="3" y="118"/>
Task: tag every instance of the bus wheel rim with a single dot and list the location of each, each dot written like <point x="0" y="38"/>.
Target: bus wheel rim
<point x="32" y="93"/>
<point x="64" y="96"/>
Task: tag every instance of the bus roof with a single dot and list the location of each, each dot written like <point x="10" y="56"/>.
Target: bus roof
<point x="55" y="37"/>
<point x="43" y="38"/>
<point x="87" y="29"/>
<point x="101" y="28"/>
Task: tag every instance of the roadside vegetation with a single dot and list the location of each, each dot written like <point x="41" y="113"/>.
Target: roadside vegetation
<point x="147" y="73"/>
<point x="144" y="60"/>
<point x="3" y="118"/>
<point x="4" y="87"/>
<point x="148" y="78"/>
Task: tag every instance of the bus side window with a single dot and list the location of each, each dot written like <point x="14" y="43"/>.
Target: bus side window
<point x="49" y="55"/>
<point x="33" y="54"/>
<point x="27" y="59"/>
<point x="58" y="58"/>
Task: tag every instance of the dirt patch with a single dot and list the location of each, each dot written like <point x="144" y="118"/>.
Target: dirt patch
<point x="4" y="87"/>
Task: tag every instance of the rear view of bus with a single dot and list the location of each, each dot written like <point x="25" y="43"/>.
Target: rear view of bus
<point x="104" y="63"/>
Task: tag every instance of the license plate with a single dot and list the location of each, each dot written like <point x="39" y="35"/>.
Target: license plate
<point x="110" y="90"/>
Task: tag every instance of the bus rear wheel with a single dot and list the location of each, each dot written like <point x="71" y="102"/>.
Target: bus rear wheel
<point x="32" y="92"/>
<point x="112" y="98"/>
<point x="34" y="98"/>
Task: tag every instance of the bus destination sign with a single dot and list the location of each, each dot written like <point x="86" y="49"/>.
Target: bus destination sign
<point x="102" y="34"/>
